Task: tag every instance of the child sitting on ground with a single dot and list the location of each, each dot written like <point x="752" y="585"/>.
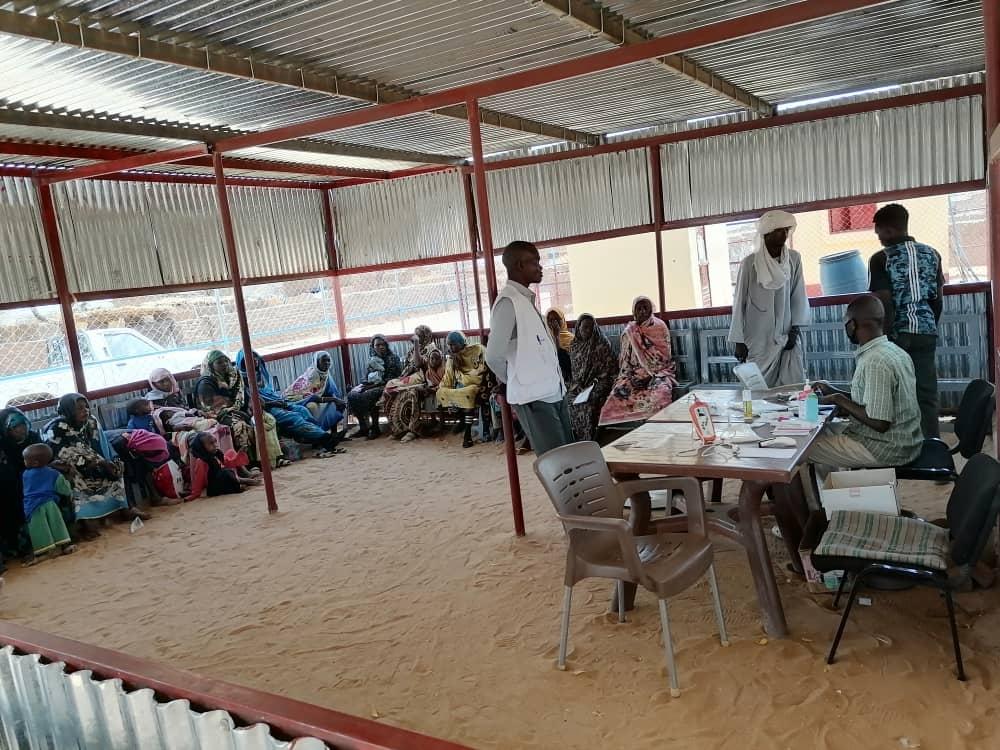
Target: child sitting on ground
<point x="212" y="471"/>
<point x="42" y="487"/>
<point x="140" y="415"/>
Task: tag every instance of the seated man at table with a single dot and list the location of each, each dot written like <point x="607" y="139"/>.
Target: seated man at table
<point x="883" y="426"/>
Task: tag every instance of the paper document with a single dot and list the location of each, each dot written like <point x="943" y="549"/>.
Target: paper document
<point x="750" y="376"/>
<point x="584" y="396"/>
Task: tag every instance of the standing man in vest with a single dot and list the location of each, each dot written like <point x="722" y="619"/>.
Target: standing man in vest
<point x="522" y="354"/>
<point x="906" y="275"/>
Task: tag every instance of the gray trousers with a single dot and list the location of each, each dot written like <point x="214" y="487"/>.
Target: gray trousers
<point x="547" y="425"/>
<point x="922" y="349"/>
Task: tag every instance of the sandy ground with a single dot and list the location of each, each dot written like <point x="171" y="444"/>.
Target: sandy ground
<point x="390" y="584"/>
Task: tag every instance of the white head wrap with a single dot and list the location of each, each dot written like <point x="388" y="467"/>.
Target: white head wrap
<point x="773" y="273"/>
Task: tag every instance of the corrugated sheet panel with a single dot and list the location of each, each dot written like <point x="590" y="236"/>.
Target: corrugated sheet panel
<point x="924" y="145"/>
<point x="411" y="218"/>
<point x="106" y="236"/>
<point x="41" y="706"/>
<point x="570" y="197"/>
<point x="278" y="231"/>
<point x="26" y="273"/>
<point x="186" y="229"/>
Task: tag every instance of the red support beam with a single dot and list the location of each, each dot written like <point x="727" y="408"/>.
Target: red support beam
<point x="51" y="229"/>
<point x="793" y="118"/>
<point x="744" y="26"/>
<point x="137" y="161"/>
<point x="656" y="195"/>
<point x="991" y="30"/>
<point x="338" y="300"/>
<point x="474" y="249"/>
<point x="229" y="236"/>
<point x="486" y="241"/>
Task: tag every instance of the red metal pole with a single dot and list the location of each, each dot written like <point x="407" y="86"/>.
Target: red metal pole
<point x="991" y="30"/>
<point x="338" y="301"/>
<point x="51" y="229"/>
<point x="656" y="189"/>
<point x="136" y="161"/>
<point x="470" y="209"/>
<point x="486" y="244"/>
<point x="241" y="313"/>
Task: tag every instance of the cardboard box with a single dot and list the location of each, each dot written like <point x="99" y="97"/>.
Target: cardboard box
<point x="867" y="489"/>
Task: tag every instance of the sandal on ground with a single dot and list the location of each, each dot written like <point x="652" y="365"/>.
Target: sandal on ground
<point x="69" y="549"/>
<point x="324" y="454"/>
<point x="136" y="513"/>
<point x="31" y="561"/>
<point x="282" y="463"/>
<point x="408" y="437"/>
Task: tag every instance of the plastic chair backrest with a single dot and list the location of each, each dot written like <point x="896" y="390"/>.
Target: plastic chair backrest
<point x="973" y="508"/>
<point x="578" y="482"/>
<point x="975" y="412"/>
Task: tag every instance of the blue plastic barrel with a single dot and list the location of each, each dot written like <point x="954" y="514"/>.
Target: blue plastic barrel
<point x="843" y="273"/>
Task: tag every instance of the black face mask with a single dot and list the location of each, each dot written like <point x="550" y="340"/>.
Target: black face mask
<point x="851" y="329"/>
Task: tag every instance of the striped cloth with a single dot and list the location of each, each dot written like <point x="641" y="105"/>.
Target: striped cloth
<point x="882" y="538"/>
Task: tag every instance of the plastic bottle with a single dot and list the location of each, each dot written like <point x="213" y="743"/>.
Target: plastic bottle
<point x="808" y="405"/>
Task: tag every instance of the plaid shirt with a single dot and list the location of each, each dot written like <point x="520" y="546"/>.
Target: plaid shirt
<point x="884" y="384"/>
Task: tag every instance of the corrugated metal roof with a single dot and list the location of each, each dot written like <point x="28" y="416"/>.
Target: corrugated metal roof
<point x="44" y="706"/>
<point x="662" y="18"/>
<point x="888" y="44"/>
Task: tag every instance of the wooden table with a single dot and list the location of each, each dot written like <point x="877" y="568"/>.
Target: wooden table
<point x="668" y="449"/>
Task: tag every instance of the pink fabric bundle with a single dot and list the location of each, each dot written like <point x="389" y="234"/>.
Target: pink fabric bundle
<point x="148" y="446"/>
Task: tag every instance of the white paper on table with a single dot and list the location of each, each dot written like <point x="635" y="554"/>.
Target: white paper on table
<point x="750" y="376"/>
<point x="584" y="396"/>
<point x="738" y="433"/>
<point x="767" y="452"/>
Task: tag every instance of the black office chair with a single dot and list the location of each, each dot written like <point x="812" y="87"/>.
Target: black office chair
<point x="975" y="415"/>
<point x="873" y="545"/>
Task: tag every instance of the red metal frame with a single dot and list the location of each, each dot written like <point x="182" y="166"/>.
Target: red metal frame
<point x="486" y="241"/>
<point x="474" y="249"/>
<point x="50" y="227"/>
<point x="338" y="298"/>
<point x="656" y="196"/>
<point x="177" y="179"/>
<point x="229" y="237"/>
<point x="743" y="26"/>
<point x="991" y="30"/>
<point x="136" y="161"/>
<point x="288" y="717"/>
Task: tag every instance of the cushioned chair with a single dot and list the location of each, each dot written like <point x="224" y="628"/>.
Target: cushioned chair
<point x="602" y="544"/>
<point x="869" y="545"/>
<point x="975" y="415"/>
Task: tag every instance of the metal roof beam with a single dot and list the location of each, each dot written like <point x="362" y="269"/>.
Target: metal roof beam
<point x="201" y="53"/>
<point x="135" y="161"/>
<point x="595" y="18"/>
<point x="104" y="153"/>
<point x="102" y="123"/>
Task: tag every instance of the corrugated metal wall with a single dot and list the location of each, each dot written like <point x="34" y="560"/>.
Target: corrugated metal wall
<point x="278" y="231"/>
<point x="412" y="218"/>
<point x="41" y="706"/>
<point x="923" y="145"/>
<point x="571" y="197"/>
<point x="120" y="235"/>
<point x="26" y="273"/>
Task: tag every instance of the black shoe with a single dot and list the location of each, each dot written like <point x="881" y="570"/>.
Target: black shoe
<point x="374" y="433"/>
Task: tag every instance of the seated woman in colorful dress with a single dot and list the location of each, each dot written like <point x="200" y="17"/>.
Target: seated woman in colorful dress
<point x="594" y="368"/>
<point x="220" y="395"/>
<point x="414" y="365"/>
<point x="294" y="421"/>
<point x="411" y="397"/>
<point x="316" y="390"/>
<point x="94" y="469"/>
<point x="645" y="382"/>
<point x="172" y="418"/>
<point x="365" y="398"/>
<point x="463" y="376"/>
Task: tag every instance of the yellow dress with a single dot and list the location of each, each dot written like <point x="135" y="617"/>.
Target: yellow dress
<point x="462" y="377"/>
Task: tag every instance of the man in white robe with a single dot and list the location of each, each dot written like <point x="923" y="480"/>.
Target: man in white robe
<point x="770" y="303"/>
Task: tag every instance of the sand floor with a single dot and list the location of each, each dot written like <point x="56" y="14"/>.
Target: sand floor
<point x="390" y="585"/>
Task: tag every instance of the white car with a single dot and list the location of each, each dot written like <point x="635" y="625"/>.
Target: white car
<point x="111" y="356"/>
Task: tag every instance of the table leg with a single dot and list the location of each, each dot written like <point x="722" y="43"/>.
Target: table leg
<point x="640" y="513"/>
<point x="768" y="598"/>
